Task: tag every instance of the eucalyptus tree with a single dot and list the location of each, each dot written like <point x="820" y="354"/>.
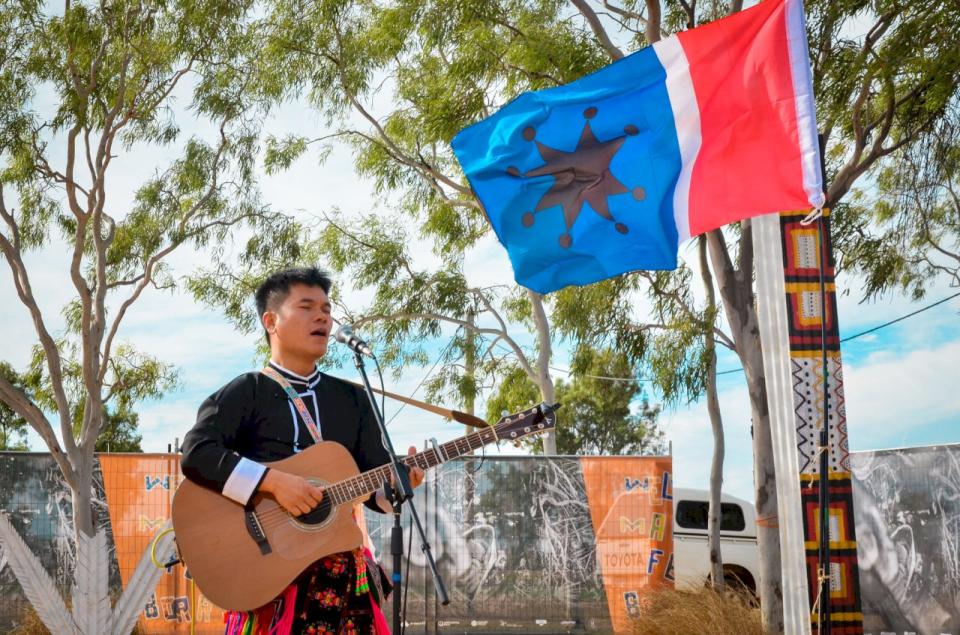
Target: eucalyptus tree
<point x="398" y="79"/>
<point x="87" y="89"/>
<point x="910" y="232"/>
<point x="884" y="74"/>
<point x="607" y="411"/>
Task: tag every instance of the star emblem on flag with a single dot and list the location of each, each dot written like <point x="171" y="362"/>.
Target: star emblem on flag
<point x="581" y="176"/>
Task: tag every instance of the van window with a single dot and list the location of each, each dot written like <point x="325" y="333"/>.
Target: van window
<point x="693" y="515"/>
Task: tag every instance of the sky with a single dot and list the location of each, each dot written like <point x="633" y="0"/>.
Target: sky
<point x="900" y="382"/>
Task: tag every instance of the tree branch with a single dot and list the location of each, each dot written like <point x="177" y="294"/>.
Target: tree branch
<point x="598" y="30"/>
<point x="653" y="33"/>
<point x="431" y="174"/>
<point x="21" y="281"/>
<point x="19" y="402"/>
<point x="545" y="347"/>
<point x="395" y="317"/>
<point x="625" y="13"/>
<point x="147" y="276"/>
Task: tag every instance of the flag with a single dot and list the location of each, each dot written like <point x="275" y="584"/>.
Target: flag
<point x="611" y="172"/>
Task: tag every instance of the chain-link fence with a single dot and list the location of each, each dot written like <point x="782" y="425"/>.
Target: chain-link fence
<point x="515" y="540"/>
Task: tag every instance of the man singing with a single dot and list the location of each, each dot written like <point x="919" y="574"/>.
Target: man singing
<point x="256" y="419"/>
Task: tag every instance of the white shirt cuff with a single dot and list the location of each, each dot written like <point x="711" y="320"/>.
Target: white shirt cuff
<point x="243" y="481"/>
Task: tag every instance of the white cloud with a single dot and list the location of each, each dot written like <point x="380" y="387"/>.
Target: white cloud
<point x="892" y="399"/>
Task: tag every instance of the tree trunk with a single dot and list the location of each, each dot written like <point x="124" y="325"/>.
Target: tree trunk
<point x="549" y="395"/>
<point x="716" y="482"/>
<point x="543" y="380"/>
<point x="469" y="370"/>
<point x="716" y="424"/>
<point x="736" y="289"/>
<point x="469" y="406"/>
<point x="82" y="506"/>
<point x="768" y="532"/>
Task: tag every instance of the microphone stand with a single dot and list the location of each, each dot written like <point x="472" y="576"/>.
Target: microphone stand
<point x="400" y="493"/>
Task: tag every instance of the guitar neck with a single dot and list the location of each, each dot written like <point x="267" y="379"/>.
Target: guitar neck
<point x="368" y="482"/>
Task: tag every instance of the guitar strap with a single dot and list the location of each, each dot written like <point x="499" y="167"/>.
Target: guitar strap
<point x="297" y="402"/>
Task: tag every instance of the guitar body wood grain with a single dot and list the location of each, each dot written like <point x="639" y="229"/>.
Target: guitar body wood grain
<point x="225" y="560"/>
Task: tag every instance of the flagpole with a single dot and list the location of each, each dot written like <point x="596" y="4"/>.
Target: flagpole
<point x="824" y="606"/>
<point x="773" y="323"/>
<point x="823" y="613"/>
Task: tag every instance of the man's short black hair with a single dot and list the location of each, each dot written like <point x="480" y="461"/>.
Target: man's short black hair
<point x="274" y="290"/>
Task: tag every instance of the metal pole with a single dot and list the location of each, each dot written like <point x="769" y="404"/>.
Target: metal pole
<point x="401" y="493"/>
<point x="823" y="615"/>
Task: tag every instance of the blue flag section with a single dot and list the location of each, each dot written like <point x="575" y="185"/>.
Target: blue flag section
<point x="578" y="180"/>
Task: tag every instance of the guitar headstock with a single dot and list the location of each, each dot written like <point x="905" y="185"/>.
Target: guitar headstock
<point x="540" y="418"/>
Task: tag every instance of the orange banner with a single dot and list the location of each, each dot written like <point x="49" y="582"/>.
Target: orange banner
<point x="631" y="506"/>
<point x="139" y="489"/>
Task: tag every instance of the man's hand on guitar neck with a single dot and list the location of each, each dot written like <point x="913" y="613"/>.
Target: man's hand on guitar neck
<point x="294" y="493"/>
<point x="416" y="478"/>
<point x="416" y="473"/>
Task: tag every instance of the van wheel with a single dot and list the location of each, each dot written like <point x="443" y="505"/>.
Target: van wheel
<point x="738" y="580"/>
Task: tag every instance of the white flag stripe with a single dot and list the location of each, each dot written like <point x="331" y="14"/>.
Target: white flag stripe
<point x="686" y="116"/>
<point x="803" y="99"/>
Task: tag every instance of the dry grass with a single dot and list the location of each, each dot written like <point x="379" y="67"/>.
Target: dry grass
<point x="702" y="611"/>
<point x="29" y="624"/>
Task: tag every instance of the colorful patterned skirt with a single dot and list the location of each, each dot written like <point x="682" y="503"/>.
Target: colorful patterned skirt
<point x="331" y="597"/>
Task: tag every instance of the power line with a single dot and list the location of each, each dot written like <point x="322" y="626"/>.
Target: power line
<point x="722" y="372"/>
<point x="871" y="330"/>
<point x="440" y="357"/>
<point x="899" y="319"/>
<point x="739" y="370"/>
<point x="624" y="379"/>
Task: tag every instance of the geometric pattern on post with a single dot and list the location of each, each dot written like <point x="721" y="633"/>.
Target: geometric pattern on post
<point x="801" y="261"/>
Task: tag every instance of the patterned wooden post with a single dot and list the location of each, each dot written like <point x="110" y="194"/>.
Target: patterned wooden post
<point x="800" y="248"/>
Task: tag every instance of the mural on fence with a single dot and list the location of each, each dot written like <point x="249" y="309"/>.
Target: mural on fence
<point x="525" y="541"/>
<point x="550" y="543"/>
<point x="908" y="538"/>
<point x="38" y="502"/>
<point x="521" y="542"/>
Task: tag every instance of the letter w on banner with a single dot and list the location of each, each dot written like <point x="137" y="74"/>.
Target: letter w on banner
<point x="609" y="173"/>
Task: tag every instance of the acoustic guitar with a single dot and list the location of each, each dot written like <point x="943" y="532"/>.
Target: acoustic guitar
<point x="242" y="557"/>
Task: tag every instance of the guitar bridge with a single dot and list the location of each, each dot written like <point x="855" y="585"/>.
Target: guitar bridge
<point x="256" y="531"/>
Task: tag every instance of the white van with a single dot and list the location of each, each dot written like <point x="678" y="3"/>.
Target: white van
<point x="738" y="539"/>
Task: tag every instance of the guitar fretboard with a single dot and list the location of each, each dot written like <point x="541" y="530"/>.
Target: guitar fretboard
<point x="366" y="483"/>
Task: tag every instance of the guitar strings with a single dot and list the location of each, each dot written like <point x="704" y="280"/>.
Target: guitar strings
<point x="343" y="488"/>
<point x="278" y="516"/>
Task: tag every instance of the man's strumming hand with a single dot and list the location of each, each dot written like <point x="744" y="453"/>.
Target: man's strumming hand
<point x="294" y="493"/>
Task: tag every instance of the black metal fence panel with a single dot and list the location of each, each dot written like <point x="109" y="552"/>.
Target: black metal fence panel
<point x="907" y="506"/>
<point x="515" y="540"/>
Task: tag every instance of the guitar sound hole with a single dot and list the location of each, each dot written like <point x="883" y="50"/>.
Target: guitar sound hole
<point x="318" y="514"/>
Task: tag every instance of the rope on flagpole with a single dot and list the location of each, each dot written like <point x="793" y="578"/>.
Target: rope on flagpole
<point x="815" y="214"/>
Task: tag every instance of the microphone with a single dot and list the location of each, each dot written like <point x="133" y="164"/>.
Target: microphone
<point x="348" y="338"/>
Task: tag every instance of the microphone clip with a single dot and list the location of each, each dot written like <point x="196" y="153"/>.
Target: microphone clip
<point x="351" y="340"/>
